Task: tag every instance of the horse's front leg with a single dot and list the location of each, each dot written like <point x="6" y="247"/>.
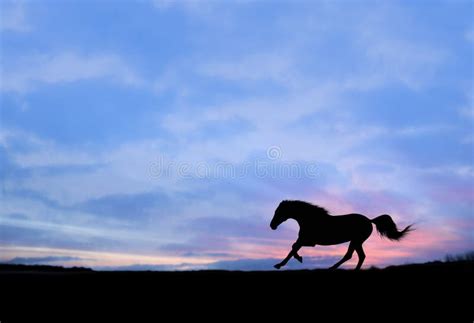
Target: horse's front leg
<point x="293" y="253"/>
<point x="298" y="257"/>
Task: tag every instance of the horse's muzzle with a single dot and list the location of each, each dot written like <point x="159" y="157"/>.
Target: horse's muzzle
<point x="273" y="226"/>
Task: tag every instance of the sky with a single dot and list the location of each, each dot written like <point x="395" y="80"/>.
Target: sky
<point x="163" y="134"/>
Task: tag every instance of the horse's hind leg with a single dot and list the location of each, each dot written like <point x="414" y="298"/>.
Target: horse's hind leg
<point x="361" y="254"/>
<point x="346" y="257"/>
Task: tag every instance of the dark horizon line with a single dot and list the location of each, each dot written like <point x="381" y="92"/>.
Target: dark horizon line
<point x="8" y="267"/>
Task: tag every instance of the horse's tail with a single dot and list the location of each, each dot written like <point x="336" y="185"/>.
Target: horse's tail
<point x="387" y="228"/>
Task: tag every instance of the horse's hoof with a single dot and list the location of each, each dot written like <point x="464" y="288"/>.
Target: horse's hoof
<point x="300" y="259"/>
<point x="277" y="266"/>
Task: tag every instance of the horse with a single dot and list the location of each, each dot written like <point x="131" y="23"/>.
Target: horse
<point x="318" y="227"/>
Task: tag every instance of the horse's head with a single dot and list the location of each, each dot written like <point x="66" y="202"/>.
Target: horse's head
<point x="280" y="216"/>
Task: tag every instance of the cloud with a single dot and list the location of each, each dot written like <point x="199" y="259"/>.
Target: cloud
<point x="95" y="258"/>
<point x="251" y="68"/>
<point x="165" y="4"/>
<point x="134" y="207"/>
<point x="42" y="260"/>
<point x="468" y="109"/>
<point x="234" y="228"/>
<point x="73" y="234"/>
<point x="469" y="35"/>
<point x="27" y="72"/>
<point x="27" y="150"/>
<point x="396" y="60"/>
<point x="13" y="17"/>
<point x="41" y="161"/>
<point x="190" y="7"/>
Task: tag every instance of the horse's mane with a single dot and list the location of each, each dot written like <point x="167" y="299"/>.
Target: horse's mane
<point x="305" y="207"/>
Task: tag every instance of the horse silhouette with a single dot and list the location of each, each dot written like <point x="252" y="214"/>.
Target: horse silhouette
<point x="318" y="227"/>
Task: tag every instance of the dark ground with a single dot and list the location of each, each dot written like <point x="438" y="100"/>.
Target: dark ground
<point x="431" y="290"/>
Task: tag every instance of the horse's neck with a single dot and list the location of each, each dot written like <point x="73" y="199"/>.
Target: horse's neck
<point x="301" y="219"/>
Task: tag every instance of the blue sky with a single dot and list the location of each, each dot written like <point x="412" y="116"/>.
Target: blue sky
<point x="115" y="118"/>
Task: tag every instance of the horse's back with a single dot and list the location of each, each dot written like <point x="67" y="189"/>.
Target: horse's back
<point x="356" y="226"/>
<point x="337" y="229"/>
<point x="355" y="218"/>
